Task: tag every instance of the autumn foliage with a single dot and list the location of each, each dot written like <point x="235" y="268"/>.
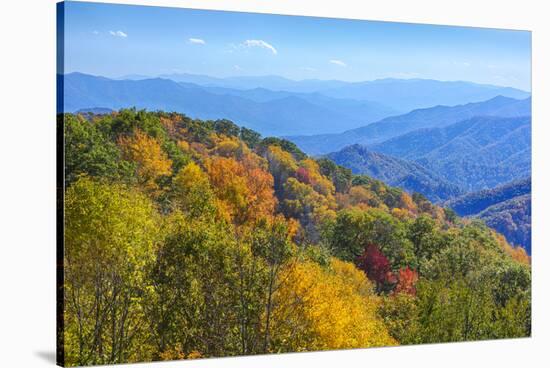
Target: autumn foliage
<point x="377" y="267"/>
<point x="191" y="239"/>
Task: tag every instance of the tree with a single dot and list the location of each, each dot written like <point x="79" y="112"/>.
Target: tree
<point x="377" y="268"/>
<point x="400" y="314"/>
<point x="89" y="152"/>
<point x="406" y="280"/>
<point x="324" y="309"/>
<point x="282" y="165"/>
<point x="424" y="237"/>
<point x="226" y="127"/>
<point x="340" y="176"/>
<point x="285" y="145"/>
<point x="355" y="229"/>
<point x="250" y="137"/>
<point x="192" y="192"/>
<point x="312" y="209"/>
<point x="110" y="237"/>
<point x="271" y="242"/>
<point x="246" y="189"/>
<point x="208" y="291"/>
<point x="151" y="161"/>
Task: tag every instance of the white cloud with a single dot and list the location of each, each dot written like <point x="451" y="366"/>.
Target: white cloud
<point x="95" y="32"/>
<point x="260" y="43"/>
<point x="197" y="41"/>
<point x="462" y="63"/>
<point x="338" y="62"/>
<point x="236" y="67"/>
<point x="118" y="34"/>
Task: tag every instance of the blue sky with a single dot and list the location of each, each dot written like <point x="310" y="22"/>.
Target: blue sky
<point x="115" y="40"/>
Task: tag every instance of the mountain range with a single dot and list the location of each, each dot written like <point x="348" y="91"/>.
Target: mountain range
<point x="506" y="208"/>
<point x="268" y="112"/>
<point x="478" y="153"/>
<point x="272" y="105"/>
<point x="437" y="116"/>
<point x="394" y="171"/>
<point x="399" y="94"/>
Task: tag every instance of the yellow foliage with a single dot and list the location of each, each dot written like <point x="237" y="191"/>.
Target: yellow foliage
<point x="281" y="160"/>
<point x="401" y="213"/>
<point x="321" y="183"/>
<point x="152" y="162"/>
<point x="191" y="175"/>
<point x="228" y="147"/>
<point x="407" y="202"/>
<point x="184" y="146"/>
<point x="324" y="309"/>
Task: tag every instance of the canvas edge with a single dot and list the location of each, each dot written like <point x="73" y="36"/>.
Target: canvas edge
<point x="60" y="274"/>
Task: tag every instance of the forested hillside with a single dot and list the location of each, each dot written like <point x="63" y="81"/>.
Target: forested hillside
<point x="506" y="208"/>
<point x="478" y="153"/>
<point x="191" y="239"/>
<point x="407" y="175"/>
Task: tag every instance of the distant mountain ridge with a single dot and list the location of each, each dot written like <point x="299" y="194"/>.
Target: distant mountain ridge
<point x="441" y="163"/>
<point x="398" y="94"/>
<point x="357" y="110"/>
<point x="281" y="114"/>
<point x="437" y="116"/>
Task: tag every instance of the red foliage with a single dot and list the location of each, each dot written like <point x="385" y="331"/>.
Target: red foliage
<point x="302" y="174"/>
<point x="377" y="267"/>
<point x="407" y="280"/>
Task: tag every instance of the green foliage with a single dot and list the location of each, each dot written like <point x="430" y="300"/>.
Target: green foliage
<point x="250" y="137"/>
<point x="110" y="237"/>
<point x="205" y="285"/>
<point x="227" y="128"/>
<point x="89" y="152"/>
<point x="355" y="229"/>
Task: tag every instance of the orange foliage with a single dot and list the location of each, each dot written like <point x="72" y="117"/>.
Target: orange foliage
<point x="407" y="279"/>
<point x="247" y="190"/>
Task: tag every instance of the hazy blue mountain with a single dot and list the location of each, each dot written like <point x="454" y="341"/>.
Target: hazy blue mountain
<point x="478" y="153"/>
<point x="437" y="116"/>
<point x="407" y="175"/>
<point x="399" y="94"/>
<point x="95" y="111"/>
<point x="506" y="208"/>
<point x="271" y="82"/>
<point x="282" y="115"/>
<point x="133" y="77"/>
<point x="357" y="112"/>
<point x="409" y="94"/>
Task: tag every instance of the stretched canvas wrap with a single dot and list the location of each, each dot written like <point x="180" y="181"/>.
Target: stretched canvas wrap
<point x="236" y="183"/>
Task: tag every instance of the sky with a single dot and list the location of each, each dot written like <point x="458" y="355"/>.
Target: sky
<point x="116" y="40"/>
